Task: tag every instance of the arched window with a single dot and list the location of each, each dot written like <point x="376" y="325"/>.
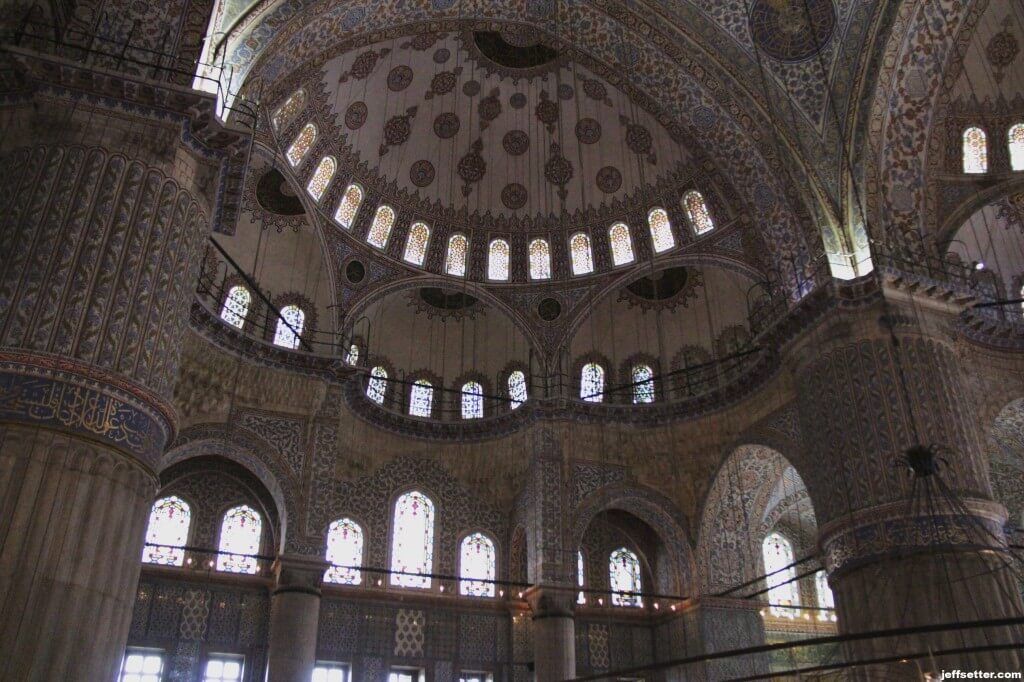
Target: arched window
<point x="643" y="384"/>
<point x="1015" y="139"/>
<point x="472" y="400"/>
<point x="579" y="251"/>
<point x="380" y="230"/>
<point x="412" y="541"/>
<point x="592" y="383"/>
<point x="377" y="385"/>
<point x="622" y="244"/>
<point x="975" y="150"/>
<point x="477" y="566"/>
<point x="286" y="112"/>
<point x="349" y="206"/>
<point x="781" y="576"/>
<point x="416" y="243"/>
<point x="321" y="177"/>
<point x="345" y="552"/>
<point x="697" y="211"/>
<point x="661" y="230"/>
<point x="581" y="578"/>
<point x="826" y="600"/>
<point x="352" y="357"/>
<point x="455" y="259"/>
<point x="240" y="533"/>
<point x="167" y="532"/>
<point x="540" y="259"/>
<point x="289" y="327"/>
<point x="517" y="388"/>
<point x="300" y="147"/>
<point x="421" y="398"/>
<point x="497" y="260"/>
<point x="236" y="306"/>
<point x="624" y="576"/>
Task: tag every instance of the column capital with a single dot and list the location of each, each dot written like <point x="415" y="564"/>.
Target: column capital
<point x="297" y="573"/>
<point x="551" y="601"/>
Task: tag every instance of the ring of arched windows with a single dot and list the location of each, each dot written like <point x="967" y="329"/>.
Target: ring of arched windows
<point x="609" y="375"/>
<point x="281" y="301"/>
<point x="438" y="404"/>
<point x="625" y="370"/>
<point x="454" y="400"/>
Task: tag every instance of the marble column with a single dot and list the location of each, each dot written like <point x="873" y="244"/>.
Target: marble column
<point x="294" y="618"/>
<point x="554" y="633"/>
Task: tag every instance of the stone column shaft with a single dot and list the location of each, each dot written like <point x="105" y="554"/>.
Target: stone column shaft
<point x="294" y="618"/>
<point x="554" y="633"/>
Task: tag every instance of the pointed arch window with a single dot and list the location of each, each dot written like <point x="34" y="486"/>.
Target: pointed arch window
<point x="240" y="533"/>
<point x="540" y="259"/>
<point x="344" y="552"/>
<point x="624" y="577"/>
<point x="472" y="400"/>
<point x="412" y="541"/>
<point x="416" y="243"/>
<point x="289" y="327"/>
<point x="455" y="258"/>
<point x="377" y="385"/>
<point x="167" y="532"/>
<point x="975" y="150"/>
<point x="345" y="215"/>
<point x="517" y="388"/>
<point x="477" y="566"/>
<point x="697" y="212"/>
<point x="826" y="600"/>
<point x="643" y="384"/>
<point x="1015" y="139"/>
<point x="581" y="578"/>
<point x="380" y="230"/>
<point x="321" y="177"/>
<point x="421" y="398"/>
<point x="352" y="357"/>
<point x="579" y="252"/>
<point x="661" y="230"/>
<point x="300" y="146"/>
<point x="236" y="306"/>
<point x="783" y="591"/>
<point x="286" y="112"/>
<point x="497" y="260"/>
<point x="622" y="244"/>
<point x="592" y="383"/>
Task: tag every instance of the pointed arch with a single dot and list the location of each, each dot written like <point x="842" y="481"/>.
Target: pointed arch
<point x="167" y="532"/>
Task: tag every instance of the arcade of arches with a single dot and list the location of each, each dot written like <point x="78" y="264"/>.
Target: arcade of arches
<point x="434" y="341"/>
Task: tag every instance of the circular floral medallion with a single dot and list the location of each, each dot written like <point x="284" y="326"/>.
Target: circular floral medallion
<point x="588" y="130"/>
<point x="792" y="30"/>
<point x="609" y="179"/>
<point x="421" y="173"/>
<point x="446" y="125"/>
<point x="547" y="110"/>
<point x="441" y="55"/>
<point x="565" y="91"/>
<point x="557" y="169"/>
<point x="472" y="166"/>
<point x="443" y="82"/>
<point x="516" y="142"/>
<point x="638" y="138"/>
<point x="514" y="196"/>
<point x="355" y="115"/>
<point x="517" y="100"/>
<point x="471" y="89"/>
<point x="399" y="78"/>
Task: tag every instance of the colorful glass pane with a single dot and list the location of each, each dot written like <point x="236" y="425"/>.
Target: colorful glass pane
<point x="455" y="260"/>
<point x="321" y="177"/>
<point x="579" y="251"/>
<point x="581" y="578"/>
<point x="975" y="151"/>
<point x="781" y="576"/>
<point x="377" y="385"/>
<point x="697" y="212"/>
<point x="592" y="383"/>
<point x="517" y="388"/>
<point x="412" y="542"/>
<point x="349" y="206"/>
<point x="380" y="230"/>
<point x="1016" y="141"/>
<point x="240" y="534"/>
<point x="622" y="244"/>
<point x="416" y="243"/>
<point x="289" y="327"/>
<point x="643" y="384"/>
<point x="624" y="577"/>
<point x="236" y="306"/>
<point x="540" y="259"/>
<point x="286" y="112"/>
<point x="345" y="552"/>
<point x="497" y="260"/>
<point x="476" y="568"/>
<point x="661" y="230"/>
<point x="167" y="532"/>
<point x="300" y="147"/>
<point x="472" y="400"/>
<point x="421" y="398"/>
<point x="352" y="357"/>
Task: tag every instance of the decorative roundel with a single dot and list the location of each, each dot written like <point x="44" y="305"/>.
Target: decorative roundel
<point x="441" y="55"/>
<point x="446" y="125"/>
<point x="638" y="138"/>
<point x="595" y="89"/>
<point x="471" y="89"/>
<point x="588" y="130"/>
<point x="782" y="29"/>
<point x="355" y="271"/>
<point x="549" y="309"/>
<point x="704" y="117"/>
<point x="565" y="91"/>
<point x="490" y="107"/>
<point x="609" y="179"/>
<point x="443" y="82"/>
<point x="558" y="169"/>
<point x="514" y="196"/>
<point x="421" y="173"/>
<point x="547" y="111"/>
<point x="397" y="130"/>
<point x="399" y="78"/>
<point x="355" y="115"/>
<point x="517" y="100"/>
<point x="472" y="167"/>
<point x="516" y="142"/>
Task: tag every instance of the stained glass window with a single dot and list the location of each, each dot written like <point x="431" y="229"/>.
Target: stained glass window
<point x="661" y="230"/>
<point x="1016" y="140"/>
<point x="286" y="112"/>
<point x="223" y="669"/>
<point x="352" y="357"/>
<point x="472" y="400"/>
<point x="142" y="665"/>
<point x="781" y="576"/>
<point x="240" y="533"/>
<point x="167" y="532"/>
<point x="975" y="151"/>
<point x="289" y="327"/>
<point x="517" y="388"/>
<point x="697" y="212"/>
<point x="455" y="259"/>
<point x="497" y="260"/>
<point x="581" y="578"/>
<point x="300" y="147"/>
<point x="624" y="576"/>
<point x="622" y="244"/>
<point x="579" y="250"/>
<point x="421" y="398"/>
<point x="236" y="306"/>
<point x="540" y="259"/>
<point x="412" y="542"/>
<point x="380" y="230"/>
<point x="345" y="552"/>
<point x="321" y="177"/>
<point x="826" y="600"/>
<point x="592" y="383"/>
<point x="416" y="243"/>
<point x="349" y="206"/>
<point x="377" y="385"/>
<point x="477" y="566"/>
<point x="643" y="384"/>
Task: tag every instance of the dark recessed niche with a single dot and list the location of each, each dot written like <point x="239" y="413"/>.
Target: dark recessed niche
<point x="355" y="271"/>
<point x="274" y="194"/>
<point x="495" y="47"/>
<point x="549" y="309"/>
<point x="662" y="285"/>
<point x="446" y="299"/>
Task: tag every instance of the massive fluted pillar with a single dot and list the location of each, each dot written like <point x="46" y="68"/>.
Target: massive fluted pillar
<point x="294" y="618"/>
